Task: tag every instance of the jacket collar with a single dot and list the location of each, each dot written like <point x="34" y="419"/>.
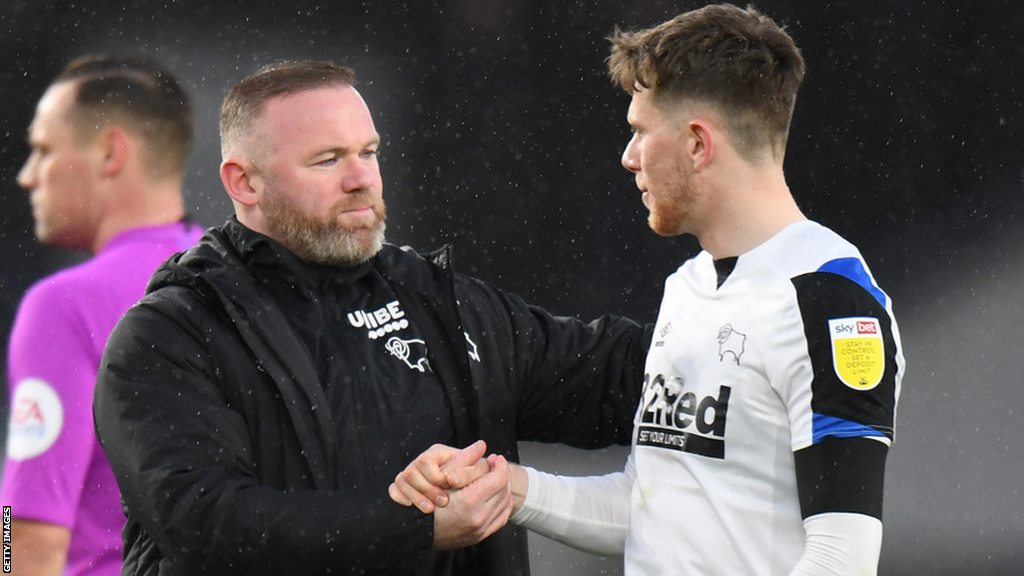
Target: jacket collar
<point x="221" y="250"/>
<point x="216" y="267"/>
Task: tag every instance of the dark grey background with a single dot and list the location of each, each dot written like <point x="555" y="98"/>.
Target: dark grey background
<point x="502" y="136"/>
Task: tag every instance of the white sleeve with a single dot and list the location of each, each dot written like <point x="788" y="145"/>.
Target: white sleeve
<point x="839" y="543"/>
<point x="590" y="513"/>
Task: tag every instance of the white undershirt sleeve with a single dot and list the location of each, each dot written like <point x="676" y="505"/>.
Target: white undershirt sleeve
<point x="590" y="513"/>
<point x="839" y="543"/>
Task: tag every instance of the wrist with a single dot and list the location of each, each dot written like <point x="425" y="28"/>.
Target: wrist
<point x="519" y="485"/>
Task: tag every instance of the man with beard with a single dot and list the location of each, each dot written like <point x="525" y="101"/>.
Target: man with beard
<point x="257" y="403"/>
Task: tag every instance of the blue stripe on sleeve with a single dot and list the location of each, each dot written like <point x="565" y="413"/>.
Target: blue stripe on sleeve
<point x="825" y="426"/>
<point x="853" y="269"/>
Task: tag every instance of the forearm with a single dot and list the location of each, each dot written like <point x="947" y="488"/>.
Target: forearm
<point x="221" y="517"/>
<point x="38" y="548"/>
<point x="840" y="544"/>
<point x="590" y="513"/>
<point x="269" y="530"/>
<point x="840" y="481"/>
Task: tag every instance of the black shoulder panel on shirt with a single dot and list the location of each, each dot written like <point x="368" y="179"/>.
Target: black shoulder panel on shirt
<point x="841" y="475"/>
<point x="824" y="296"/>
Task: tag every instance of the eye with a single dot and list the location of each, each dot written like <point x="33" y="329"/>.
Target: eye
<point x="328" y="161"/>
<point x="368" y="154"/>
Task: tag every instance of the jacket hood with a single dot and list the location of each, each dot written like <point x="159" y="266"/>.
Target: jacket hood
<point x="211" y="256"/>
<point x="221" y="253"/>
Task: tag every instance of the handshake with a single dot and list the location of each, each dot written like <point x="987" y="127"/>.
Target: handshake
<point x="470" y="495"/>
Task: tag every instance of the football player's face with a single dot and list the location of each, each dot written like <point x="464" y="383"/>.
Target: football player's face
<point x="656" y="157"/>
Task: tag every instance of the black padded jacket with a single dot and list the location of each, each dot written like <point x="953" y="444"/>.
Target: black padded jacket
<point x="210" y="409"/>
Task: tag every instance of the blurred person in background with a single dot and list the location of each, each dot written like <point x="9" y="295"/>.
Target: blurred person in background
<point x="109" y="143"/>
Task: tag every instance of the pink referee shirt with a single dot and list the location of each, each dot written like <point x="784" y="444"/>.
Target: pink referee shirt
<point x="55" y="470"/>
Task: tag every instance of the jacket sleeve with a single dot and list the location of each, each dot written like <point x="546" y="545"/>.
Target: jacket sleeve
<point x="577" y="382"/>
<point x="184" y="459"/>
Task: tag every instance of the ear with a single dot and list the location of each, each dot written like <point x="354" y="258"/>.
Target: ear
<point x="241" y="181"/>
<point x="700" y="143"/>
<point x="115" y="146"/>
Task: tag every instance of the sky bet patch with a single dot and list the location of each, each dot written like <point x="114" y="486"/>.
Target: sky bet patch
<point x="857" y="352"/>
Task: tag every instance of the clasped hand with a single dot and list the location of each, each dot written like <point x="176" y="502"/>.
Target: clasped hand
<point x="469" y="494"/>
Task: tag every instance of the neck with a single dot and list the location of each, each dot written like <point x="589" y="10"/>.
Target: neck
<point x="152" y="204"/>
<point x="753" y="204"/>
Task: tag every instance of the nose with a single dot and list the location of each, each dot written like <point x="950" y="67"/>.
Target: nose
<point x="631" y="156"/>
<point x="360" y="174"/>
<point x="27" y="176"/>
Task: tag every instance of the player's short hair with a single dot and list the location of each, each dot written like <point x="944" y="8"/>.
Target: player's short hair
<point x="244" y="101"/>
<point x="139" y="94"/>
<point x="737" y="60"/>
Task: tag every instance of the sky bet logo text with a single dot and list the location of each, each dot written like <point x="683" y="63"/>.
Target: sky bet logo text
<point x="674" y="418"/>
<point x="851" y="327"/>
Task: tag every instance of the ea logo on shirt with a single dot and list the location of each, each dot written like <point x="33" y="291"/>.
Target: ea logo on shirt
<point x="36" y="419"/>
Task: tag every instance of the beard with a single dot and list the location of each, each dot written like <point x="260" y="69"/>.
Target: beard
<point x="671" y="210"/>
<point x="671" y="215"/>
<point x="323" y="240"/>
<point x="667" y="219"/>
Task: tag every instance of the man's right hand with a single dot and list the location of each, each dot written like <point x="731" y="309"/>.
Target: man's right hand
<point x="476" y="511"/>
<point x="424" y="482"/>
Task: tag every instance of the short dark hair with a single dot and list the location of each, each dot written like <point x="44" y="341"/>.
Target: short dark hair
<point x="143" y="95"/>
<point x="736" y="59"/>
<point x="244" y="101"/>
